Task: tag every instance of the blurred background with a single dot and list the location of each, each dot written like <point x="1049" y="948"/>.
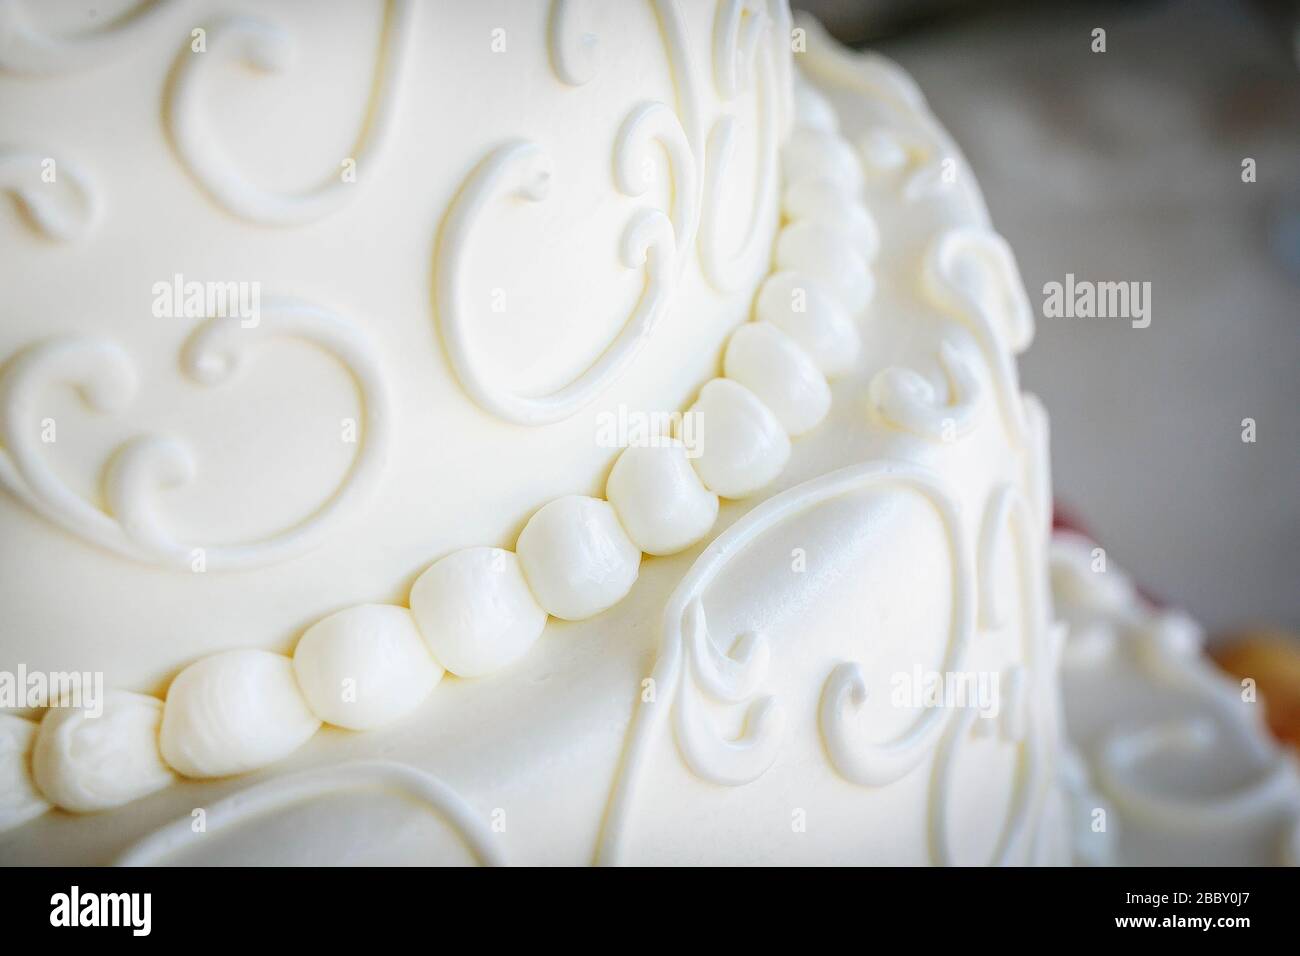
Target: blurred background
<point x="1127" y="166"/>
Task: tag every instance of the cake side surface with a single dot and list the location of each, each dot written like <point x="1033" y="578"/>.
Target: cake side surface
<point x="854" y="663"/>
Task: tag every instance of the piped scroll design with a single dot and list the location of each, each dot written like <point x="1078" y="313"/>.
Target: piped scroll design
<point x="728" y="679"/>
<point x="738" y="30"/>
<point x="1007" y="511"/>
<point x="1271" y="795"/>
<point x="213" y="354"/>
<point x="903" y="398"/>
<point x="1167" y="646"/>
<point x="742" y="54"/>
<point x="268" y="48"/>
<point x="926" y="169"/>
<point x="1017" y="828"/>
<point x="944" y="732"/>
<point x="650" y="123"/>
<point x="873" y="764"/>
<point x="293" y="789"/>
<point x="24" y="49"/>
<point x="690" y="662"/>
<point x="68" y="217"/>
<point x="971" y="273"/>
<point x="573" y="49"/>
<point x="521" y="170"/>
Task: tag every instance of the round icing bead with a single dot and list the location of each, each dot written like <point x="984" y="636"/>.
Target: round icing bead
<point x="882" y="150"/>
<point x="817" y="154"/>
<point x="660" y="500"/>
<point x="823" y="253"/>
<point x="744" y="447"/>
<point x="365" y="666"/>
<point x="821" y="201"/>
<point x="577" y="557"/>
<point x="20" y="801"/>
<point x="84" y="763"/>
<point x="802" y="307"/>
<point x="476" y="611"/>
<point x="769" y="363"/>
<point x="234" y="712"/>
<point x="812" y="110"/>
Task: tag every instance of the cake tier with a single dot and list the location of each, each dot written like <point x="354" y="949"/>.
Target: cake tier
<point x="1184" y="768"/>
<point x="854" y="665"/>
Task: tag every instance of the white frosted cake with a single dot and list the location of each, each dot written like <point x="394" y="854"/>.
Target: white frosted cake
<point x="516" y="432"/>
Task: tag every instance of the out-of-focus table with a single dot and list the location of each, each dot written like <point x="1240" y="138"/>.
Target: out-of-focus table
<point x="1127" y="166"/>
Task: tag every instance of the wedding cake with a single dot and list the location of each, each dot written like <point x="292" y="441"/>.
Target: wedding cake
<point x="514" y="432"/>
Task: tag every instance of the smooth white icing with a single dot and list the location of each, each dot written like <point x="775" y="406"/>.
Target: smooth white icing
<point x="803" y="308"/>
<point x="784" y="378"/>
<point x="85" y="762"/>
<point x="233" y="712"/>
<point x="364" y="666"/>
<point x="229" y="813"/>
<point x="20" y="801"/>
<point x="476" y="611"/>
<point x="577" y="558"/>
<point x="660" y="500"/>
<point x="745" y="448"/>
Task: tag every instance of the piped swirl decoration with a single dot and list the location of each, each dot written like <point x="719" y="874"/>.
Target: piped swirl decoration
<point x="971" y="272"/>
<point x="1189" y="715"/>
<point x="945" y="733"/>
<point x="24" y="49"/>
<point x="1028" y="780"/>
<point x="213" y="355"/>
<point x="873" y="764"/>
<point x="522" y="170"/>
<point x="1273" y="794"/>
<point x="903" y="398"/>
<point x="649" y="123"/>
<point x="64" y="207"/>
<point x="295" y="789"/>
<point x="728" y="679"/>
<point x="574" y="50"/>
<point x="268" y="48"/>
<point x="1006" y="510"/>
<point x="742" y="52"/>
<point x="691" y="665"/>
